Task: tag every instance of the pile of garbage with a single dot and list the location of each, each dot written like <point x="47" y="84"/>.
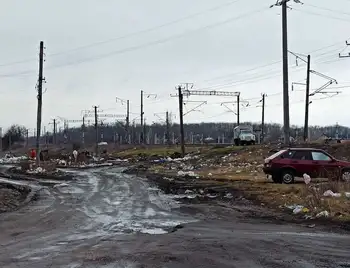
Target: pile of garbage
<point x="10" y="159"/>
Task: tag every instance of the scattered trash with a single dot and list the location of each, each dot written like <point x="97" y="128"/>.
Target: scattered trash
<point x="330" y="193"/>
<point x="187" y="173"/>
<point x="298" y="209"/>
<point x="305" y="210"/>
<point x="307" y="178"/>
<point x="324" y="213"/>
<point x="38" y="170"/>
<point x="347" y="195"/>
<point x="10" y="159"/>
<point x="229" y="195"/>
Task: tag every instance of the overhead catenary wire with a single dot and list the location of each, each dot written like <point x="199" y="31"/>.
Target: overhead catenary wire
<point x="148" y="44"/>
<point x="327" y="9"/>
<point x="147" y="30"/>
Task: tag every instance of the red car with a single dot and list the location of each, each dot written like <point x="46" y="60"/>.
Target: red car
<point x="289" y="163"/>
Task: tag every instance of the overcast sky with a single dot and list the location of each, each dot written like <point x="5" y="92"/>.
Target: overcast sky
<point x="99" y="50"/>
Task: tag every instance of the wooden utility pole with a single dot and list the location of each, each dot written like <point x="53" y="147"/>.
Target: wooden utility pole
<point x="238" y="99"/>
<point x="144" y="131"/>
<point x="83" y="132"/>
<point x="54" y="131"/>
<point x="286" y="127"/>
<point x="182" y="134"/>
<point x="167" y="129"/>
<point x="307" y="100"/>
<point x="127" y="125"/>
<point x="263" y="118"/>
<point x="141" y="114"/>
<point x="40" y="94"/>
<point x="96" y="131"/>
<point x="0" y="139"/>
<point x="27" y="138"/>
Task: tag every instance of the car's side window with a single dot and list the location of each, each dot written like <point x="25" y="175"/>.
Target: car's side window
<point x="319" y="156"/>
<point x="288" y="154"/>
<point x="302" y="155"/>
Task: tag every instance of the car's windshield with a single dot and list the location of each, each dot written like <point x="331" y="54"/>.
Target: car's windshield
<point x="244" y="131"/>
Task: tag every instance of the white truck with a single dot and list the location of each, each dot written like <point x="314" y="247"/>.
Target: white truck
<point x="243" y="135"/>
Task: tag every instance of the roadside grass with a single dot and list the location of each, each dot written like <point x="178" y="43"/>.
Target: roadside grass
<point x="259" y="188"/>
<point x="150" y="151"/>
<point x="206" y="151"/>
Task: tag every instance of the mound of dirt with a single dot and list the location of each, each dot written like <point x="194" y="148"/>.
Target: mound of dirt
<point x="12" y="196"/>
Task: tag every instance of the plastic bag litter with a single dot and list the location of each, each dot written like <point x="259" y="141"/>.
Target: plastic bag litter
<point x="307" y="178"/>
<point x="324" y="213"/>
<point x="298" y="209"/>
<point x="330" y="193"/>
<point x="347" y="195"/>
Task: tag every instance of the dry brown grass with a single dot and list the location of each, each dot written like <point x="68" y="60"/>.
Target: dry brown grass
<point x="258" y="187"/>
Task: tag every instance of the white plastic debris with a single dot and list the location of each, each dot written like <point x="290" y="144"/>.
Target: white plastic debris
<point x="38" y="170"/>
<point x="298" y="209"/>
<point x="9" y="159"/>
<point x="347" y="195"/>
<point x="62" y="162"/>
<point x="188" y="173"/>
<point x="307" y="178"/>
<point x="75" y="154"/>
<point x="330" y="193"/>
<point x="324" y="213"/>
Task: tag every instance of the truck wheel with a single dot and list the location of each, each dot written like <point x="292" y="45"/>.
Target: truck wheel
<point x="236" y="142"/>
<point x="287" y="176"/>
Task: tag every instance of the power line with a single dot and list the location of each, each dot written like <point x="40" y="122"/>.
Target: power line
<point x="129" y="34"/>
<point x="328" y="9"/>
<point x="321" y="15"/>
<point x="149" y="44"/>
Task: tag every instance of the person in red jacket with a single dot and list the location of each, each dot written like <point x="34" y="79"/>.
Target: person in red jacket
<point x="33" y="153"/>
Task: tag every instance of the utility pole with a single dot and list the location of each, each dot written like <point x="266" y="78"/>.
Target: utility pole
<point x="307" y="100"/>
<point x="83" y="133"/>
<point x="238" y="97"/>
<point x="40" y="94"/>
<point x="54" y="131"/>
<point x="182" y="134"/>
<point x="144" y="131"/>
<point x="167" y="128"/>
<point x="141" y="114"/>
<point x="263" y="118"/>
<point x="127" y="125"/>
<point x="96" y="130"/>
<point x="285" y="73"/>
<point x="27" y="138"/>
<point x="0" y="139"/>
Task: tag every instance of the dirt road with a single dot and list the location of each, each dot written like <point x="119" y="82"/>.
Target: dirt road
<point x="108" y="219"/>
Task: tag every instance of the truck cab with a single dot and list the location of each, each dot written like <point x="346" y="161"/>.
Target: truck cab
<point x="243" y="135"/>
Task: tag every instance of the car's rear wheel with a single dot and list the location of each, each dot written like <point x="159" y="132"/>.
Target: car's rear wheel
<point x="287" y="176"/>
<point x="345" y="175"/>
